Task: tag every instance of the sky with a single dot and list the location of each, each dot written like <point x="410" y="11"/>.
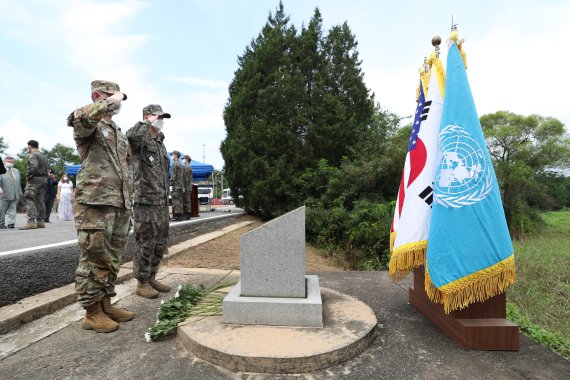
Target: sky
<point x="182" y="54"/>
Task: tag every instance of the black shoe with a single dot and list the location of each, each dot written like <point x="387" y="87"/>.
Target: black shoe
<point x="47" y="221"/>
<point x="10" y="226"/>
<point x="2" y="227"/>
<point x="177" y="218"/>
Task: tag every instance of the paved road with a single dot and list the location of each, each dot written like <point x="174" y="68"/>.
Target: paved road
<point x="15" y="241"/>
<point x="44" y="259"/>
<point x="408" y="345"/>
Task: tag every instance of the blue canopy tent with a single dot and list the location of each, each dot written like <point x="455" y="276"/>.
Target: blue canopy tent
<point x="200" y="171"/>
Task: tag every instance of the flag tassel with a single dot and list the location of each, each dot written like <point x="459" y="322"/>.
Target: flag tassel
<point x="477" y="287"/>
<point x="407" y="257"/>
<point x="392" y="240"/>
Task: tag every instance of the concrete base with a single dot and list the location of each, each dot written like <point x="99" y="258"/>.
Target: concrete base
<point x="275" y="311"/>
<point x="349" y="327"/>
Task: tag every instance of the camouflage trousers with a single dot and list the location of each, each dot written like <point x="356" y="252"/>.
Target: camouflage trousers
<point x="187" y="202"/>
<point x="34" y="199"/>
<point x="177" y="201"/>
<point x="102" y="233"/>
<point x="151" y="238"/>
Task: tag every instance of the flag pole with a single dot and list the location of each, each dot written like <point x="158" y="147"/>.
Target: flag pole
<point x="436" y="41"/>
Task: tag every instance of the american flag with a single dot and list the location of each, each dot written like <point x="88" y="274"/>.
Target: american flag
<point x="422" y="110"/>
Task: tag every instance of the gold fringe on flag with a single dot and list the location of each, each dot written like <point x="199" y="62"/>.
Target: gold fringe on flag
<point x="476" y="287"/>
<point x="392" y="240"/>
<point x="407" y="257"/>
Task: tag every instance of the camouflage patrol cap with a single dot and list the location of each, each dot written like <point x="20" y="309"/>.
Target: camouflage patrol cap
<point x="106" y="86"/>
<point x="155" y="109"/>
<point x="177" y="153"/>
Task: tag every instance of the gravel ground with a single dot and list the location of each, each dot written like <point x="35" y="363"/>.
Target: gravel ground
<point x="223" y="253"/>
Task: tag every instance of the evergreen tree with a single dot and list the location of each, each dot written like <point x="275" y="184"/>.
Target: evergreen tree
<point x="296" y="98"/>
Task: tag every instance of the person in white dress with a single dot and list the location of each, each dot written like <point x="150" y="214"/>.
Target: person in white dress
<point x="65" y="199"/>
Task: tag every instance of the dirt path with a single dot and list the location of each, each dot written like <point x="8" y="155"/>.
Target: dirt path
<point x="223" y="253"/>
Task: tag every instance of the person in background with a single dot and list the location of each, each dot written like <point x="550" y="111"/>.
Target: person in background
<point x="103" y="203"/>
<point x="2" y="167"/>
<point x="36" y="178"/>
<point x="186" y="197"/>
<point x="177" y="183"/>
<point x="65" y="199"/>
<point x="10" y="192"/>
<point x="50" y="193"/>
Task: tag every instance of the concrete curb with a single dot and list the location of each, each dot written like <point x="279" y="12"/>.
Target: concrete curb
<point x="39" y="305"/>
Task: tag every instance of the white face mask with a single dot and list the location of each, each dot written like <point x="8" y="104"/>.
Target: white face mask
<point x="158" y="124"/>
<point x="9" y="165"/>
<point x="116" y="110"/>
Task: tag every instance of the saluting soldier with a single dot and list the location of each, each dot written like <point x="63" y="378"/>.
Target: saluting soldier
<point x="177" y="183"/>
<point x="187" y="187"/>
<point x="150" y="199"/>
<point x="103" y="202"/>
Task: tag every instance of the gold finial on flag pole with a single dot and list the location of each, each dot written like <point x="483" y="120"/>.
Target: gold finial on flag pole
<point x="436" y="41"/>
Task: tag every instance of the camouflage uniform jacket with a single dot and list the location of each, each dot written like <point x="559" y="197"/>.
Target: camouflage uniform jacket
<point x="37" y="165"/>
<point x="104" y="177"/>
<point x="150" y="165"/>
<point x="177" y="176"/>
<point x="188" y="177"/>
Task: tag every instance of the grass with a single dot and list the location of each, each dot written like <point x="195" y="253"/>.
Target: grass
<point x="540" y="298"/>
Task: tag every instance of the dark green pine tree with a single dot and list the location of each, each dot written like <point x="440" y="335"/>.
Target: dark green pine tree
<point x="261" y="141"/>
<point x="346" y="108"/>
<point x="295" y="99"/>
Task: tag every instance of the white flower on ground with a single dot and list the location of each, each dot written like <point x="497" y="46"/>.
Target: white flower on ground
<point x="176" y="295"/>
<point x="147" y="337"/>
<point x="161" y="302"/>
<point x="179" y="287"/>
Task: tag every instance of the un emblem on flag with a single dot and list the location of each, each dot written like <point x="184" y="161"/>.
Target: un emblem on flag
<point x="463" y="176"/>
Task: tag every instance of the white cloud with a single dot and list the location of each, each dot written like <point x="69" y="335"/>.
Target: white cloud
<point x="200" y="82"/>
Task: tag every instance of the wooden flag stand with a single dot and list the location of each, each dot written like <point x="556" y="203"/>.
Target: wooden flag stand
<point x="195" y="207"/>
<point x="480" y="326"/>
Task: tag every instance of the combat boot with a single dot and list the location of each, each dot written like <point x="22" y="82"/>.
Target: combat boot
<point x="144" y="289"/>
<point x="163" y="288"/>
<point x="29" y="226"/>
<point x="116" y="314"/>
<point x="178" y="217"/>
<point x="40" y="224"/>
<point x="96" y="320"/>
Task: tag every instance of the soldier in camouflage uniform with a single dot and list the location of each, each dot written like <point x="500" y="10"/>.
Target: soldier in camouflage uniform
<point x="150" y="208"/>
<point x="36" y="177"/>
<point x="187" y="187"/>
<point x="103" y="202"/>
<point x="177" y="183"/>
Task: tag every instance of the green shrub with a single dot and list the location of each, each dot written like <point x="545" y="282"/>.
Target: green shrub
<point x="359" y="237"/>
<point x="524" y="221"/>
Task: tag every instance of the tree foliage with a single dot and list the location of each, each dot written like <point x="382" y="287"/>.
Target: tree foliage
<point x="524" y="149"/>
<point x="3" y="145"/>
<point x="59" y="157"/>
<point x="296" y="99"/>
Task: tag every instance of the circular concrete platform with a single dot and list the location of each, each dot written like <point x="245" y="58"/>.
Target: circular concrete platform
<point x="349" y="327"/>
